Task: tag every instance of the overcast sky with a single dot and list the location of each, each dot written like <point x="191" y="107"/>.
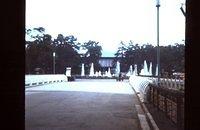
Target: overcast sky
<point x="109" y="21"/>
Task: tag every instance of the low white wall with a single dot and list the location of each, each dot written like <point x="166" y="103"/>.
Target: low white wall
<point x="32" y="80"/>
<point x="140" y="85"/>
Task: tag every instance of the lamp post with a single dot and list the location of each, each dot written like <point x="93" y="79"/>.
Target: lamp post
<point x="158" y="48"/>
<point x="54" y="54"/>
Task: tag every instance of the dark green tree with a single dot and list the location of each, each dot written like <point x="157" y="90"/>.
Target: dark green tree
<point x="38" y="51"/>
<point x="171" y="57"/>
<point x="92" y="55"/>
<point x="40" y="48"/>
<point x="66" y="54"/>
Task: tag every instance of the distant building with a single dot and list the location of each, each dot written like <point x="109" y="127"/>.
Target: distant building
<point x="106" y="62"/>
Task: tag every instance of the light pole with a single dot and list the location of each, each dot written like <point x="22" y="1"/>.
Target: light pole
<point x="54" y="54"/>
<point x="158" y="48"/>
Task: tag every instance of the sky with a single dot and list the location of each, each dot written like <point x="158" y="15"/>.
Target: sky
<point x="109" y="21"/>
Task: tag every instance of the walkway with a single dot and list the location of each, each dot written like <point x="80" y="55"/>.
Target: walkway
<point x="82" y="105"/>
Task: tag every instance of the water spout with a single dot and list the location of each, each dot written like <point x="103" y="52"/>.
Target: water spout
<point x="130" y="71"/>
<point x="150" y="69"/>
<point x="92" y="70"/>
<point x="109" y="73"/>
<point x="82" y="70"/>
<point x="117" y="70"/>
<point x="145" y="70"/>
<point x="156" y="70"/>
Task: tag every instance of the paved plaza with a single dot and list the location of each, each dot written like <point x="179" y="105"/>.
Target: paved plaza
<point x="82" y="105"/>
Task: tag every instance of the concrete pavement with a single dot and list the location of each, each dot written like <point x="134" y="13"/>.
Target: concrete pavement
<point x="110" y="105"/>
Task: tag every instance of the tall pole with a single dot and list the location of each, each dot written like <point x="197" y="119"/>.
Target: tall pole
<point x="54" y="54"/>
<point x="158" y="47"/>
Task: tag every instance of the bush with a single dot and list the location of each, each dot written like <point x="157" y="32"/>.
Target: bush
<point x="71" y="78"/>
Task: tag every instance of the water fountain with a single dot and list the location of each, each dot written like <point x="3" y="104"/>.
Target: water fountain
<point x="144" y="71"/>
<point x="82" y="70"/>
<point x="117" y="70"/>
<point x="91" y="70"/>
<point x="145" y="68"/>
<point x="100" y="73"/>
<point x="156" y="70"/>
<point x="135" y="70"/>
<point x="130" y="71"/>
<point x="106" y="73"/>
<point x="150" y="69"/>
<point x="96" y="73"/>
<point x="109" y="73"/>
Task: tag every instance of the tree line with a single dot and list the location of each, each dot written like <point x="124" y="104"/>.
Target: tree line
<point x="40" y="47"/>
<point x="172" y="57"/>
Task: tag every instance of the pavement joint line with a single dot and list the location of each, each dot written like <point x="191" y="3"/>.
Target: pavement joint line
<point x="147" y="113"/>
